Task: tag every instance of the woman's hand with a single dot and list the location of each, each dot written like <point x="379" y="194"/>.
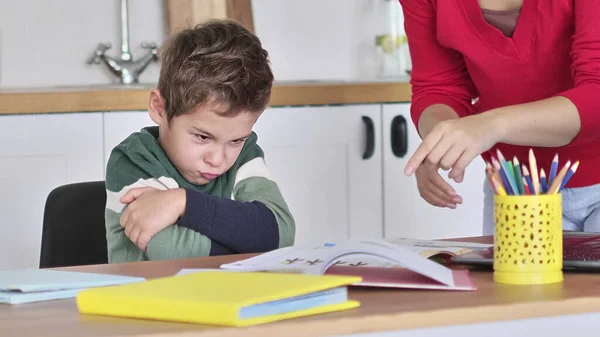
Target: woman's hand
<point x="434" y="189"/>
<point x="453" y="144"/>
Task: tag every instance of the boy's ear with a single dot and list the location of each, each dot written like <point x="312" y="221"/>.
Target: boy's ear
<point x="156" y="108"/>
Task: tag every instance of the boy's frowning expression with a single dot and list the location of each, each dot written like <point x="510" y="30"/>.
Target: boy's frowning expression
<point x="203" y="144"/>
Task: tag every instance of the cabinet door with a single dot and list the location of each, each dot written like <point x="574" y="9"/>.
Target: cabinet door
<point x="406" y="213"/>
<point x="119" y="125"/>
<point x="315" y="154"/>
<point x="37" y="154"/>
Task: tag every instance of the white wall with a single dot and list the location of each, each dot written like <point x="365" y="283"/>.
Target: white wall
<point x="46" y="43"/>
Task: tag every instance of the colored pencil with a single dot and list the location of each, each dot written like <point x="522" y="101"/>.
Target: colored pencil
<point x="518" y="176"/>
<point x="514" y="178"/>
<point x="526" y="187"/>
<point x="570" y="173"/>
<point x="543" y="181"/>
<point x="496" y="174"/>
<point x="553" y="189"/>
<point x="489" y="172"/>
<point x="527" y="176"/>
<point x="534" y="173"/>
<point x="509" y="175"/>
<point x="553" y="169"/>
<point x="498" y="186"/>
<point x="502" y="174"/>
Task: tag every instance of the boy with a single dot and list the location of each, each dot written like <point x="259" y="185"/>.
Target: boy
<point x="197" y="184"/>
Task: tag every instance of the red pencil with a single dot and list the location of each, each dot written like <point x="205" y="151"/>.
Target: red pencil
<point x="527" y="190"/>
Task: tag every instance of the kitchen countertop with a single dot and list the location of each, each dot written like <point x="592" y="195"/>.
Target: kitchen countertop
<point x="117" y="97"/>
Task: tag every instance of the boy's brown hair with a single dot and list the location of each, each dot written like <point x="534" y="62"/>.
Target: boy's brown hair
<point x="219" y="62"/>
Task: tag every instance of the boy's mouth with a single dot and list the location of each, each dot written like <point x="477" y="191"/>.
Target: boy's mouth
<point x="209" y="176"/>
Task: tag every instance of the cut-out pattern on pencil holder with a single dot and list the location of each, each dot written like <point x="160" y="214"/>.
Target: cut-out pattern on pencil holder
<point x="528" y="233"/>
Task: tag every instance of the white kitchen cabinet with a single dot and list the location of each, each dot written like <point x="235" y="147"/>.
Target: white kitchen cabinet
<point x="406" y="214"/>
<point x="118" y="125"/>
<point x="37" y="154"/>
<point x="315" y="154"/>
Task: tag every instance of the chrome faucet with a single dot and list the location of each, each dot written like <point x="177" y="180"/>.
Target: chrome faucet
<point x="126" y="68"/>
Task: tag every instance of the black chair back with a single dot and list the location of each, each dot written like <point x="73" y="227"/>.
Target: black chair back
<point x="73" y="231"/>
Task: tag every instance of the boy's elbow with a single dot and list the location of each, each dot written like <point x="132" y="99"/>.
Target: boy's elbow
<point x="287" y="228"/>
<point x="158" y="249"/>
<point x="120" y="250"/>
<point x="155" y="252"/>
<point x="176" y="242"/>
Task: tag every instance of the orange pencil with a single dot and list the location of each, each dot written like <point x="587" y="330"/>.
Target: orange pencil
<point x="489" y="172"/>
<point x="499" y="188"/>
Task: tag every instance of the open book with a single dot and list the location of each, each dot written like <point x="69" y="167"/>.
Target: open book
<point x="396" y="263"/>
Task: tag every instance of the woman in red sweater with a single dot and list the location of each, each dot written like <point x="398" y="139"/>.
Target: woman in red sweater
<point x="509" y="75"/>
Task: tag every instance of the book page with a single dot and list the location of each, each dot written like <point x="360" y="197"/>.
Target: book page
<point x="396" y="253"/>
<point x="289" y="259"/>
<point x="428" y="248"/>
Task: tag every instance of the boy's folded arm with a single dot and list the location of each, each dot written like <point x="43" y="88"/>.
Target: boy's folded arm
<point x="177" y="242"/>
<point x="172" y="242"/>
<point x="257" y="220"/>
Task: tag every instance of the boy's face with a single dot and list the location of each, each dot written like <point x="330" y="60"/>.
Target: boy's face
<point x="202" y="144"/>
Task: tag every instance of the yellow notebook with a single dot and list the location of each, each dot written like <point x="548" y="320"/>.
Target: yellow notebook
<point x="222" y="297"/>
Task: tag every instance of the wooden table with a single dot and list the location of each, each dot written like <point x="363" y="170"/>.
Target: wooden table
<point x="381" y="309"/>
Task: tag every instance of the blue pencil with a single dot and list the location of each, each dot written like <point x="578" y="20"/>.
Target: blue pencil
<point x="569" y="175"/>
<point x="527" y="177"/>
<point x="502" y="176"/>
<point x="543" y="180"/>
<point x="553" y="169"/>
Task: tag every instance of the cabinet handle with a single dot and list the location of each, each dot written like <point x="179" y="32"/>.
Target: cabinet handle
<point x="370" y="146"/>
<point x="399" y="136"/>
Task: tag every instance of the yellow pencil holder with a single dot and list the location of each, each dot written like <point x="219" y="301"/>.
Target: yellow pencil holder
<point x="528" y="239"/>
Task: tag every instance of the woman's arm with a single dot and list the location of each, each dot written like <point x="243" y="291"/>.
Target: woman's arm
<point x="551" y="122"/>
<point x="571" y="117"/>
<point x="433" y="115"/>
<point x="441" y="86"/>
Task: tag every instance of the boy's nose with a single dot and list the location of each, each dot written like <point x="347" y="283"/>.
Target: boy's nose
<point x="215" y="158"/>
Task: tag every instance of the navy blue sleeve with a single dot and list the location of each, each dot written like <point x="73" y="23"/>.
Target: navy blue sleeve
<point x="218" y="249"/>
<point x="241" y="227"/>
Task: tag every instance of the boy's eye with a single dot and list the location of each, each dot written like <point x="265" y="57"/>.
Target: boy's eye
<point x="238" y="141"/>
<point x="201" y="137"/>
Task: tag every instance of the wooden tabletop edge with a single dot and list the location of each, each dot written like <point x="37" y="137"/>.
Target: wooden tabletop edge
<point x="400" y="321"/>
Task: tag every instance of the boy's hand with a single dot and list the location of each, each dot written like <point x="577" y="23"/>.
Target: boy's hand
<point x="453" y="144"/>
<point x="149" y="211"/>
<point x="434" y="189"/>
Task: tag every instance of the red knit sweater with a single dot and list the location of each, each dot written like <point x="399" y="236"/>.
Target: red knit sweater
<point x="555" y="50"/>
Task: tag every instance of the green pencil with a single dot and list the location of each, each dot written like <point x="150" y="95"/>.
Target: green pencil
<point x="516" y="167"/>
<point x="511" y="169"/>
